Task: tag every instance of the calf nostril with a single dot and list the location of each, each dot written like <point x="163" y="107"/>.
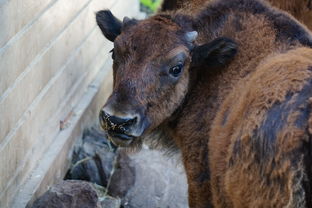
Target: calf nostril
<point x="131" y="121"/>
<point x="104" y="117"/>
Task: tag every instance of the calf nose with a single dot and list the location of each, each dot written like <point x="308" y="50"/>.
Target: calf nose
<point x="114" y="123"/>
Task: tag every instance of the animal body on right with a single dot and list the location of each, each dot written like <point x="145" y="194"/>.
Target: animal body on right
<point x="244" y="126"/>
<point x="300" y="9"/>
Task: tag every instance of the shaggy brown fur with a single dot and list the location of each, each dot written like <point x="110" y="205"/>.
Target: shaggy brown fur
<point x="244" y="130"/>
<point x="300" y="9"/>
<point x="260" y="133"/>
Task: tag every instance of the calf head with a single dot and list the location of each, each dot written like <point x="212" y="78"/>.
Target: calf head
<point x="151" y="71"/>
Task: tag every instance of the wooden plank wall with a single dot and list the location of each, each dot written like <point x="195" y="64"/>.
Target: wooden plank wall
<point x="50" y="51"/>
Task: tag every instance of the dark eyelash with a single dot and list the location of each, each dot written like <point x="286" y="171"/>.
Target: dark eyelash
<point x="113" y="54"/>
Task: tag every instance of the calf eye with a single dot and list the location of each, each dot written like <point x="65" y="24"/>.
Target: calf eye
<point x="176" y="70"/>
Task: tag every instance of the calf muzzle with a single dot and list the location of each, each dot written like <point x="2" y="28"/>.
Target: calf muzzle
<point x="118" y="128"/>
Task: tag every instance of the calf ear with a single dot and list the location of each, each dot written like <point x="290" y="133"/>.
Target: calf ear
<point x="214" y="54"/>
<point x="109" y="24"/>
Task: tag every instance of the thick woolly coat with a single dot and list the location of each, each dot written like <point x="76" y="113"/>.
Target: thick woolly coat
<point x="244" y="130"/>
<point x="255" y="115"/>
<point x="300" y="9"/>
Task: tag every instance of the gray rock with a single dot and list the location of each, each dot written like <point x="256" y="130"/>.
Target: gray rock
<point x="69" y="194"/>
<point x="105" y="200"/>
<point x="146" y="179"/>
<point x="92" y="159"/>
<point x="123" y="177"/>
<point x="160" y="182"/>
<point x="110" y="202"/>
<point x="76" y="194"/>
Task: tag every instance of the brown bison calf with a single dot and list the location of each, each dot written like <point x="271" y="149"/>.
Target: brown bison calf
<point x="243" y="126"/>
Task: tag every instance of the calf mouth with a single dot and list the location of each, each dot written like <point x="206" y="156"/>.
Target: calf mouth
<point x="120" y="139"/>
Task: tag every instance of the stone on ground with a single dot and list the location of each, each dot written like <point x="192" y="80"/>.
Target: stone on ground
<point x="74" y="194"/>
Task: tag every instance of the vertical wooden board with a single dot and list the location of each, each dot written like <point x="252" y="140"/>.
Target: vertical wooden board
<point x="57" y="163"/>
<point x="20" y="178"/>
<point x="17" y="14"/>
<point x="14" y="104"/>
<point x="77" y="91"/>
<point x="39" y="73"/>
<point x="26" y="143"/>
<point x="13" y="60"/>
<point x="41" y="134"/>
<point x="31" y="138"/>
